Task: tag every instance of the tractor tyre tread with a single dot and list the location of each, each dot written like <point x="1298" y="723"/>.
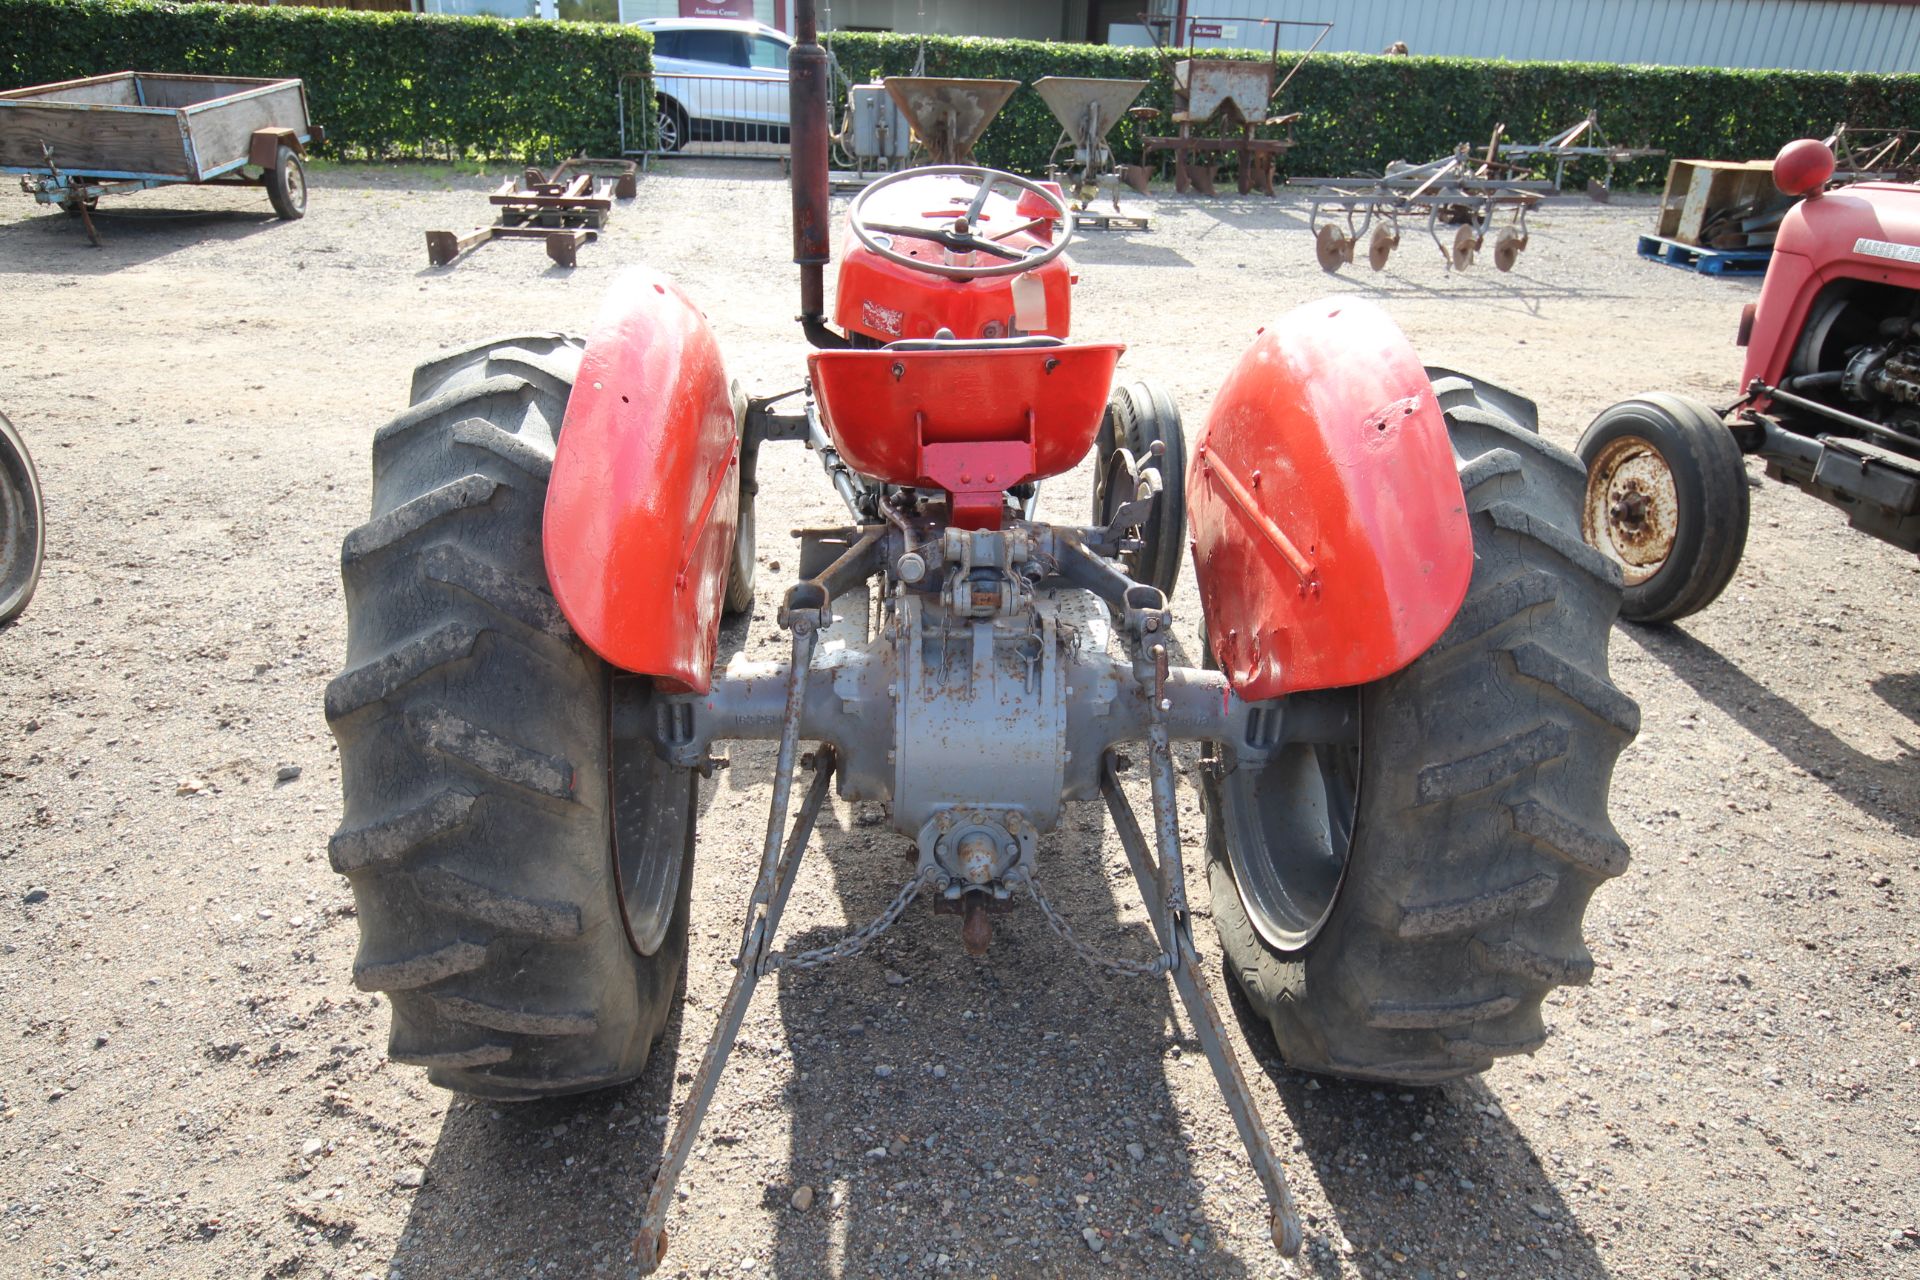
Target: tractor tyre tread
<point x="473" y="732"/>
<point x="1482" y="826"/>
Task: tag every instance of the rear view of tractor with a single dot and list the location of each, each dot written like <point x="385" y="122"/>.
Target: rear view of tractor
<point x="1403" y="720"/>
<point x="1830" y="401"/>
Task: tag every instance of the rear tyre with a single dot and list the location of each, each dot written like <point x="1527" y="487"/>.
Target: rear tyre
<point x="22" y="524"/>
<point x="1139" y="415"/>
<point x="1667" y="501"/>
<point x="287" y="185"/>
<point x="521" y="877"/>
<point x="1398" y="910"/>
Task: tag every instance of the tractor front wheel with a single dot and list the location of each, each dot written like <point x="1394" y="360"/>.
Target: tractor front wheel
<point x="1398" y="908"/>
<point x="1139" y="416"/>
<point x="521" y="874"/>
<point x="1667" y="501"/>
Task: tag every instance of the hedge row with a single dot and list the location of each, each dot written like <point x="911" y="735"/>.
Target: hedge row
<point x="399" y="84"/>
<point x="383" y="84"/>
<point x="1361" y="111"/>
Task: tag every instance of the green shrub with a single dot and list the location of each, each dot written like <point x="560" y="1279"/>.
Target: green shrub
<point x="1360" y="111"/>
<point x="384" y="85"/>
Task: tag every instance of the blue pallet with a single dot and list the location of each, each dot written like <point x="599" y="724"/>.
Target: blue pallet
<point x="1713" y="262"/>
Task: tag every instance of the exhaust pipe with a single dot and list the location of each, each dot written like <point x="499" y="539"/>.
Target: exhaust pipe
<point x="808" y="89"/>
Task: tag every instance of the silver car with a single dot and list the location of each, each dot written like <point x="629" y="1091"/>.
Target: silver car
<point x="718" y="80"/>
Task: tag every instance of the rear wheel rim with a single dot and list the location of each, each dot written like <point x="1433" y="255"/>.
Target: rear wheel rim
<point x="1632" y="511"/>
<point x="669" y="130"/>
<point x="1289" y="837"/>
<point x="653" y="806"/>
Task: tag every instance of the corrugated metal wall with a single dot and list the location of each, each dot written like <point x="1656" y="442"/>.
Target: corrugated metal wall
<point x="1813" y="35"/>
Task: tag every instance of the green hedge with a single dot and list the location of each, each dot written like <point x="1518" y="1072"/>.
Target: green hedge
<point x="383" y="84"/>
<point x="1362" y="110"/>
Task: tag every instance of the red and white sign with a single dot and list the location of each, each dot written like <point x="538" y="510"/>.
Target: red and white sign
<point x="717" y="9"/>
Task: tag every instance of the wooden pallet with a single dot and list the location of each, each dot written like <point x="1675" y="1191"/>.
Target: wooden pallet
<point x="1712" y="262"/>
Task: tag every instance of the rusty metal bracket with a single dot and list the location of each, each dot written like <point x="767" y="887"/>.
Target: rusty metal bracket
<point x="564" y="211"/>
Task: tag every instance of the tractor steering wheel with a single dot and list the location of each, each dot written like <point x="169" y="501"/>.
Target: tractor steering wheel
<point x="961" y="233"/>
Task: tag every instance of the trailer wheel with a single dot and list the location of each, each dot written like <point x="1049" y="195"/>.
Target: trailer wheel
<point x="1667" y="501"/>
<point x="1138" y="415"/>
<point x="22" y="524"/>
<point x="520" y="871"/>
<point x="1397" y="910"/>
<point x="287" y="184"/>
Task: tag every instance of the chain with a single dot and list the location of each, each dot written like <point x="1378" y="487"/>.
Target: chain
<point x="860" y="939"/>
<point x="1125" y="968"/>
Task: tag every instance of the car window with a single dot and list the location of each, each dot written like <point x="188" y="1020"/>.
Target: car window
<point x="666" y="44"/>
<point x="725" y="47"/>
<point x="768" y="52"/>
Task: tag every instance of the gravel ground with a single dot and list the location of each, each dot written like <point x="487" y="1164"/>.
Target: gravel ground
<point x="194" y="1089"/>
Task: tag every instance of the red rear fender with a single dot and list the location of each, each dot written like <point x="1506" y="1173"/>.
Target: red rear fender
<point x="1330" y="533"/>
<point x="645" y="492"/>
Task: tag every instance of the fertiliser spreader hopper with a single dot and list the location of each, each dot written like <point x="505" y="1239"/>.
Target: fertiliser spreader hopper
<point x="1087" y="109"/>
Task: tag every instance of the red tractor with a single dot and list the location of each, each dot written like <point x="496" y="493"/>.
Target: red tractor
<point x="1831" y="402"/>
<point x="1406" y="722"/>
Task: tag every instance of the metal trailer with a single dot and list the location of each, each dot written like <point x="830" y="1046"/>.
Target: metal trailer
<point x="78" y="140"/>
<point x="1231" y="94"/>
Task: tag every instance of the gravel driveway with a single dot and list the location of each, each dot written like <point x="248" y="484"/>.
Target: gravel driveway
<point x="192" y="1087"/>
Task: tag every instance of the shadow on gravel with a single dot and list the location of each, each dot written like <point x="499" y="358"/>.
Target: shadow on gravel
<point x="1113" y="249"/>
<point x="555" y="1183"/>
<point x="1429" y="1182"/>
<point x="54" y="244"/>
<point x="999" y="1116"/>
<point x="1883" y="789"/>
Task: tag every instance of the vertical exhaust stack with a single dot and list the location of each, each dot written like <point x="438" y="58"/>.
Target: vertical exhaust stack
<point x="807" y="97"/>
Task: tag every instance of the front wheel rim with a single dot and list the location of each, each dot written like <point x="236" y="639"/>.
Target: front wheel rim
<point x="1632" y="510"/>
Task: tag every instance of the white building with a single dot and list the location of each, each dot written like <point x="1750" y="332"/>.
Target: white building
<point x="1821" y="35"/>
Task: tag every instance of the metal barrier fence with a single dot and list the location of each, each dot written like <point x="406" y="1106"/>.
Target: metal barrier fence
<point x="737" y="117"/>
